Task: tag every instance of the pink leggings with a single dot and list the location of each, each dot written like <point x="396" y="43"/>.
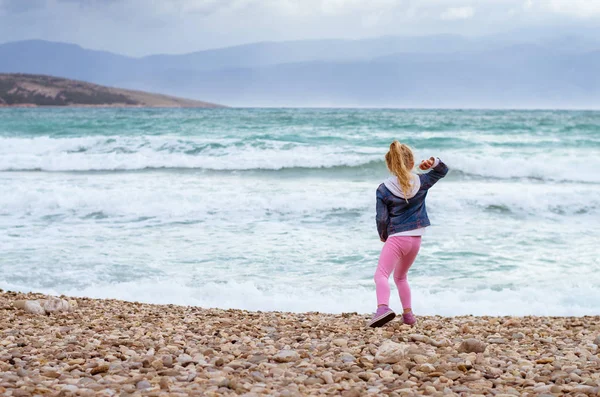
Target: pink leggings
<point x="397" y="255"/>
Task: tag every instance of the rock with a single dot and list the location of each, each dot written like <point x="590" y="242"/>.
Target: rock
<point x="419" y="338"/>
<point x="518" y="335"/>
<point x="70" y="389"/>
<point x="428" y="340"/>
<point x="157" y="365"/>
<point x="55" y="305"/>
<point x="366" y="376"/>
<point x="497" y="341"/>
<point x="258" y="358"/>
<point x="99" y="369"/>
<point x="313" y="381"/>
<point x="351" y="393"/>
<point x="472" y="346"/>
<point x="164" y="383"/>
<point x="184" y="359"/>
<point x="545" y="360"/>
<point x="542" y="389"/>
<point x="167" y="360"/>
<point x="327" y="377"/>
<point x="427" y="368"/>
<point x="30" y="306"/>
<point x="143" y="384"/>
<point x="386" y="374"/>
<point x="512" y="322"/>
<point x="340" y="342"/>
<point x="51" y="374"/>
<point x="391" y="352"/>
<point x="236" y="365"/>
<point x="597" y="341"/>
<point x="585" y="389"/>
<point x="285" y="356"/>
<point x="419" y="359"/>
<point x="347" y="358"/>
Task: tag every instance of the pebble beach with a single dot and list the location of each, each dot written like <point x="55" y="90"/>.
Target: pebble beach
<point x="90" y="347"/>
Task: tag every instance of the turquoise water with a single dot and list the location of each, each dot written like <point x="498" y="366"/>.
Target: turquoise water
<point x="274" y="209"/>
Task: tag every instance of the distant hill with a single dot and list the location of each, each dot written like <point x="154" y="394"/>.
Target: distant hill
<point x="39" y="90"/>
<point x="430" y="71"/>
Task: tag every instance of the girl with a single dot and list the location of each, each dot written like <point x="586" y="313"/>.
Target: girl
<point x="401" y="221"/>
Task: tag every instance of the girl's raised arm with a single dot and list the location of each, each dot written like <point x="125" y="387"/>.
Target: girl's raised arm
<point x="438" y="171"/>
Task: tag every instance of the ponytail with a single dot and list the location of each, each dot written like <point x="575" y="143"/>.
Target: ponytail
<point x="400" y="160"/>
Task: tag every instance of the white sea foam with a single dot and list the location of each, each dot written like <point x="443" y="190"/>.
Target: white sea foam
<point x="116" y="153"/>
<point x="101" y="153"/>
<point x="569" y="300"/>
<point x="169" y="197"/>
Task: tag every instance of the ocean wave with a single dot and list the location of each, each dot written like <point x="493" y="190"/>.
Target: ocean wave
<point x="515" y="199"/>
<point x="118" y="154"/>
<point x="167" y="198"/>
<point x="130" y="154"/>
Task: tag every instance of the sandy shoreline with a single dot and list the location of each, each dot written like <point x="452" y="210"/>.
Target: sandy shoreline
<point x="109" y="347"/>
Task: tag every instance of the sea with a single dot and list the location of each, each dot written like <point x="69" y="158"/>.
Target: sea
<point x="274" y="209"/>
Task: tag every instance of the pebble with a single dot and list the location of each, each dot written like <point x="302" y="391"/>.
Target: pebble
<point x="472" y="346"/>
<point x="143" y="384"/>
<point x="167" y="360"/>
<point x="351" y="393"/>
<point x="386" y="374"/>
<point x="340" y="342"/>
<point x="427" y="368"/>
<point x="391" y="352"/>
<point x="164" y="383"/>
<point x="327" y="377"/>
<point x="115" y="348"/>
<point x="55" y="305"/>
<point x="545" y="360"/>
<point x="347" y="358"/>
<point x="99" y="369"/>
<point x="184" y="359"/>
<point x="30" y="306"/>
<point x="285" y="356"/>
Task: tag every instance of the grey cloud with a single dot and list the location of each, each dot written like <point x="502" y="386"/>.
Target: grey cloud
<point x="20" y="6"/>
<point x="139" y="27"/>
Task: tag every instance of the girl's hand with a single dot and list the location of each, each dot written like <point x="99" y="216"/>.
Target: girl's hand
<point x="427" y="164"/>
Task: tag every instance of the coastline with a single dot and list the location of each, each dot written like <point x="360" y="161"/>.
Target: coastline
<point x="31" y="90"/>
<point x="107" y="106"/>
<point x="108" y="347"/>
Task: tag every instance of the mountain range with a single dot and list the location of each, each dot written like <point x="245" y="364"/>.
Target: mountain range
<point x="17" y="89"/>
<point x="430" y="71"/>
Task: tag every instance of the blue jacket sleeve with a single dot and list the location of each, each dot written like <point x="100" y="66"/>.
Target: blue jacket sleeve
<point x="438" y="172"/>
<point x="382" y="216"/>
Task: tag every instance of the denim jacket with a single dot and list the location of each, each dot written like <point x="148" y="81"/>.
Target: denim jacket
<point x="395" y="214"/>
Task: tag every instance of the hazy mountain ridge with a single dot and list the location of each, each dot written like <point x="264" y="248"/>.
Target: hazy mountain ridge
<point x="431" y="71"/>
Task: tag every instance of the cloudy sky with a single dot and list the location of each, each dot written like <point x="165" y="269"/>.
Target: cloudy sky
<point x="141" y="27"/>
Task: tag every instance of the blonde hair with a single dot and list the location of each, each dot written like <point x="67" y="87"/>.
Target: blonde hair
<point x="400" y="160"/>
